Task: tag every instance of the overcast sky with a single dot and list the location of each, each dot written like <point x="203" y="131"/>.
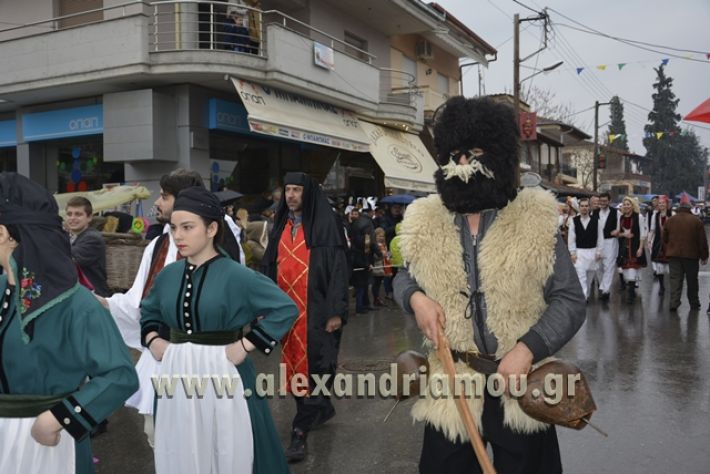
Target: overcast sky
<point x="681" y="24"/>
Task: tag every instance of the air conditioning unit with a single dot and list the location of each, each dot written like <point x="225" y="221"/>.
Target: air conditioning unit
<point x="424" y="50"/>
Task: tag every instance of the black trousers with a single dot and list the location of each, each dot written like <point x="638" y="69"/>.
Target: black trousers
<point x="684" y="268"/>
<point x="513" y="453"/>
<point x="308" y="409"/>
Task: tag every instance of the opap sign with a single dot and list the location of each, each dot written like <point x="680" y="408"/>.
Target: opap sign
<point x="77" y="121"/>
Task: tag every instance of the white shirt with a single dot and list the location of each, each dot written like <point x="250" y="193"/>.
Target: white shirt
<point x="572" y="236"/>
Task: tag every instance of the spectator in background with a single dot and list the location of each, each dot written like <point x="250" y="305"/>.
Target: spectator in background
<point x="236" y="29"/>
<point x="88" y="249"/>
<point x="382" y="269"/>
<point x="392" y="218"/>
<point x="686" y="244"/>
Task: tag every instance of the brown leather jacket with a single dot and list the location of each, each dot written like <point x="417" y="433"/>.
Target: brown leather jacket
<point x="684" y="235"/>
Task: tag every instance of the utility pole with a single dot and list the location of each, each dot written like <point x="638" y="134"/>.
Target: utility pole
<point x="516" y="87"/>
<point x="595" y="159"/>
<point x="516" y="71"/>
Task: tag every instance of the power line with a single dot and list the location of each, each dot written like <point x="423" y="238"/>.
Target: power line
<point x="588" y="29"/>
<point x="525" y="6"/>
<point x="632" y="44"/>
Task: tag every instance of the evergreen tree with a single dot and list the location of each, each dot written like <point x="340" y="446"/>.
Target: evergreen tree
<point x="617" y="125"/>
<point x="677" y="161"/>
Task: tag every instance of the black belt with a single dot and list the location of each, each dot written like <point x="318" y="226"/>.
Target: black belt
<point x="27" y="406"/>
<point x="207" y="338"/>
<point x="483" y="363"/>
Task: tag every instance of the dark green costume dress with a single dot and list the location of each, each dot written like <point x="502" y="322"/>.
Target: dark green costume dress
<point x="220" y="296"/>
<point x="73" y="339"/>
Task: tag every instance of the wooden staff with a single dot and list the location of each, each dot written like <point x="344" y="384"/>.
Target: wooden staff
<point x="444" y="354"/>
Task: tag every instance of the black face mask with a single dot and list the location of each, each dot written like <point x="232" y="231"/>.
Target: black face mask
<point x="481" y="192"/>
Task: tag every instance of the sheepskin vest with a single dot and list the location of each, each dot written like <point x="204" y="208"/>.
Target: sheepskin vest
<point x="516" y="257"/>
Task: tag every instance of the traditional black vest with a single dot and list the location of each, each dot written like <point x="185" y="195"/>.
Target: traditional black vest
<point x="610" y="221"/>
<point x="586" y="238"/>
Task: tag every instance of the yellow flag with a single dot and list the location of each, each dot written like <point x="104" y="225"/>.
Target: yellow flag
<point x="659" y="135"/>
<point x="602" y="67"/>
<point x="612" y="137"/>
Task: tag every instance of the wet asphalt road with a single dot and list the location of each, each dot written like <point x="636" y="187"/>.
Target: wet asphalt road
<point x="648" y="369"/>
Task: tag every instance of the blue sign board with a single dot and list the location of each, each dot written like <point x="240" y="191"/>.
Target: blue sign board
<point x="74" y="122"/>
<point x="8" y="135"/>
<point x="227" y="116"/>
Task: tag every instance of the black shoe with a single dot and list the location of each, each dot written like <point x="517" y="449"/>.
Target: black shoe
<point x="622" y="283"/>
<point x="604" y="296"/>
<point x="322" y="417"/>
<point x="296" y="452"/>
<point x="675" y="308"/>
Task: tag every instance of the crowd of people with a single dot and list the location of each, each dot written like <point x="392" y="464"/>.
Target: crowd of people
<point x="219" y="281"/>
<point x="603" y="240"/>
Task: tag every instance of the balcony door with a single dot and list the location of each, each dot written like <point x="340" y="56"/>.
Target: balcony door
<point x="70" y="7"/>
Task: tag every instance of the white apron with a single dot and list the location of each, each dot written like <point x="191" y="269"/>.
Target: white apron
<point x="21" y="454"/>
<point x="146" y="368"/>
<point x="203" y="433"/>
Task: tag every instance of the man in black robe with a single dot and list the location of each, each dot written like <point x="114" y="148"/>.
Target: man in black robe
<point x="311" y="347"/>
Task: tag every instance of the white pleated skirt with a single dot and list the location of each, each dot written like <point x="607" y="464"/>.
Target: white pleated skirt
<point x="143" y="399"/>
<point x="21" y="454"/>
<point x="205" y="433"/>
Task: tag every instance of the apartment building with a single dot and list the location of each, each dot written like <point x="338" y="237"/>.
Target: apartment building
<point x="101" y="91"/>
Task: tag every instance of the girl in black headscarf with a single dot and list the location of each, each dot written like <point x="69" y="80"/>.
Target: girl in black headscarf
<point x="194" y="320"/>
<point x="54" y="336"/>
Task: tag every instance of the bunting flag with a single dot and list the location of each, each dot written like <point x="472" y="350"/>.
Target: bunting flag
<point x="602" y="67"/>
<point x="665" y="61"/>
<point x="579" y="70"/>
<point x="659" y="135"/>
<point x="613" y="137"/>
<point x="621" y="66"/>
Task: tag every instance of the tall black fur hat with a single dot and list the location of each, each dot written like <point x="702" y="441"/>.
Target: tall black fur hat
<point x="463" y="124"/>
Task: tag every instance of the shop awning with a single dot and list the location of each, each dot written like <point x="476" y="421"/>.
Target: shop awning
<point x="287" y="115"/>
<point x="402" y="157"/>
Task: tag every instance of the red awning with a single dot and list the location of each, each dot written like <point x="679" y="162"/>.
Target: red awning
<point x="700" y="113"/>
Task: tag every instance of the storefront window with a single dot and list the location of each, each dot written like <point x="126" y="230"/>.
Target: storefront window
<point x="80" y="165"/>
<point x="8" y="159"/>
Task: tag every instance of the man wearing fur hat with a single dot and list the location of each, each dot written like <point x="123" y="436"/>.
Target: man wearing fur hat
<point x="485" y="263"/>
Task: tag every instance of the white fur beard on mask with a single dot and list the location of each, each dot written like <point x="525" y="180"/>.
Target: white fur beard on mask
<point x="465" y="172"/>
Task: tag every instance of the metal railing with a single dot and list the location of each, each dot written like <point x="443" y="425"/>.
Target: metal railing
<point x="72" y="20"/>
<point x="184" y="25"/>
<point x="179" y="25"/>
<point x="397" y="87"/>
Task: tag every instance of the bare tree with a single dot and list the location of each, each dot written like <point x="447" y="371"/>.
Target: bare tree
<point x="582" y="158"/>
<point x="545" y="103"/>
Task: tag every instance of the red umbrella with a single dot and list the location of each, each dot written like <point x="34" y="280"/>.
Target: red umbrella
<point x="701" y="113"/>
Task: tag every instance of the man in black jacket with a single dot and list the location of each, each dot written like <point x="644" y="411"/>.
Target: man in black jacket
<point x="88" y="248"/>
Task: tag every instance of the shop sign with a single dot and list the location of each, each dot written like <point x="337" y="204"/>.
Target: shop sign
<point x="227" y="116"/>
<point x="8" y="135"/>
<point x="77" y="121"/>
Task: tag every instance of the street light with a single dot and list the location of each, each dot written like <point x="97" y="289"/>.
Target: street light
<point x="546" y="69"/>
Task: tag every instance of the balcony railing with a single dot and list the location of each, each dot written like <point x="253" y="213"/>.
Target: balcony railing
<point x="180" y="25"/>
<point x="397" y="87"/>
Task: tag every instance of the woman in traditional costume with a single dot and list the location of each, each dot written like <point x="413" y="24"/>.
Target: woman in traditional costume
<point x="631" y="231"/>
<point x="658" y="247"/>
<point x="63" y="365"/>
<point x="194" y="320"/>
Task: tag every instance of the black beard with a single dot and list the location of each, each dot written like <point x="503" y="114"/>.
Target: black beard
<point x="478" y="194"/>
